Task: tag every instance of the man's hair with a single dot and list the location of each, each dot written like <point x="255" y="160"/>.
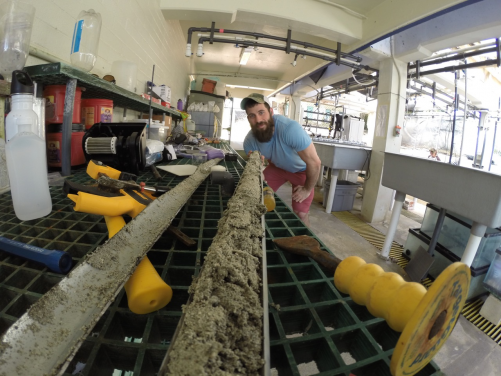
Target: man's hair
<point x="251" y="103"/>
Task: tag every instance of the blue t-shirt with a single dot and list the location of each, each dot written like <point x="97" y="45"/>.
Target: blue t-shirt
<point x="289" y="138"/>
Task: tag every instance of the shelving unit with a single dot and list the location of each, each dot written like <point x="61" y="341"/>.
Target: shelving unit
<point x="62" y="74"/>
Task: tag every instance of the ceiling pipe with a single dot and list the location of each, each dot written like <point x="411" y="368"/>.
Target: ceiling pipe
<point x="191" y="30"/>
<point x="278" y="46"/>
<point x="461" y="50"/>
<point x="452" y="58"/>
<point x="303" y="51"/>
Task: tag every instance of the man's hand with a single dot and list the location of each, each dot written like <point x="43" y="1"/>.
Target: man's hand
<point x="300" y="193"/>
<point x="262" y="156"/>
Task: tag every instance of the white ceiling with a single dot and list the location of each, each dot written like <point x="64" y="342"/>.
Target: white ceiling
<point x="271" y="67"/>
<point x="315" y="21"/>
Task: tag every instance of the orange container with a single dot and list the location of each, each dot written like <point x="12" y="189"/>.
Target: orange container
<point x="54" y="140"/>
<point x="208" y="85"/>
<point x="54" y="107"/>
<point x="96" y="111"/>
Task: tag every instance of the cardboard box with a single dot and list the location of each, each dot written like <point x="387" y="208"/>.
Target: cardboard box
<point x="408" y="205"/>
<point x="163" y="92"/>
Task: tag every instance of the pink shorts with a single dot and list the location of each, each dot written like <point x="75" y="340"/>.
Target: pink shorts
<point x="276" y="177"/>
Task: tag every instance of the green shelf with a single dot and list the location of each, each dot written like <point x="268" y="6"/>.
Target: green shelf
<point x="59" y="73"/>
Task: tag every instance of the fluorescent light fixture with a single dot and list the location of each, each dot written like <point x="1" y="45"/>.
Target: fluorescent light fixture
<point x="249" y="87"/>
<point x="245" y="55"/>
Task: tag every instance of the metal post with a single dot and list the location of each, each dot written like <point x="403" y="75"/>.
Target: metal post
<point x="476" y="144"/>
<point x="69" y="100"/>
<point x="495" y="132"/>
<point x="436" y="231"/>
<point x="392" y="228"/>
<point x="455" y="111"/>
<point x="477" y="232"/>
<point x="464" y="115"/>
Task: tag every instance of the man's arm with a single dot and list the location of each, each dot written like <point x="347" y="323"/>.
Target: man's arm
<point x="310" y="157"/>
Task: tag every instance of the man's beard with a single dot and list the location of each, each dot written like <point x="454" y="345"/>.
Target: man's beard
<point x="264" y="135"/>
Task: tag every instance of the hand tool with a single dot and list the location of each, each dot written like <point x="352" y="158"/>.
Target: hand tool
<point x="105" y="181"/>
<point x="425" y="318"/>
<point x="307" y="246"/>
<point x="155" y="172"/>
<point x="181" y="236"/>
<point x="57" y="261"/>
<point x="94" y="168"/>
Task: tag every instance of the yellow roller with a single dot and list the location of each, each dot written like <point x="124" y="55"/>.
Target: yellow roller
<point x="425" y="318"/>
<point x="383" y="290"/>
<point x="146" y="290"/>
<point x="362" y="282"/>
<point x="345" y="271"/>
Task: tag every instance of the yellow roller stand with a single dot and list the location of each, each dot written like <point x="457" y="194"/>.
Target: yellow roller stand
<point x="146" y="290"/>
<point x="432" y="322"/>
<point x="425" y="318"/>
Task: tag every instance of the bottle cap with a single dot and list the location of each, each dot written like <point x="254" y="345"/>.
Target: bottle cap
<point x="21" y="83"/>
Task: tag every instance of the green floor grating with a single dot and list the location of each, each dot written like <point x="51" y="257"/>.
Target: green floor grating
<point x="311" y="323"/>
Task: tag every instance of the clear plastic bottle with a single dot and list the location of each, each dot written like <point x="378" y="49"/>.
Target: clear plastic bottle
<point x="16" y="22"/>
<point x="86" y="40"/>
<point x="25" y="153"/>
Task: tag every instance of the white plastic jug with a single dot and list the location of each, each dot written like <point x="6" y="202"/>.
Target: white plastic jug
<point x="86" y="40"/>
<point x="190" y="125"/>
<point x="125" y="73"/>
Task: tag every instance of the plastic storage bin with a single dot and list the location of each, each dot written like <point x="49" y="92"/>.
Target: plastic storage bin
<point x="344" y="197"/>
<point x="96" y="111"/>
<point x="208" y="85"/>
<point x="443" y="258"/>
<point x="492" y="281"/>
<point x="54" y="143"/>
<point x="455" y="234"/>
<point x="54" y="106"/>
<point x="158" y="132"/>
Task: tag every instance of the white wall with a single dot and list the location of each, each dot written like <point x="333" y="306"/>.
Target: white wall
<point x="133" y="30"/>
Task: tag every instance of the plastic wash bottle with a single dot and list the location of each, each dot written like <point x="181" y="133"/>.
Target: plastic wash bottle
<point x="25" y="153"/>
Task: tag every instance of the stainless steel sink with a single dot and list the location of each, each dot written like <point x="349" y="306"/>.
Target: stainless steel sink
<point x="472" y="193"/>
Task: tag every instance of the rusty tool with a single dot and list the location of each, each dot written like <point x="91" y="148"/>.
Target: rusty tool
<point x="107" y="182"/>
<point x="307" y="246"/>
<point x="181" y="236"/>
<point x="155" y="172"/>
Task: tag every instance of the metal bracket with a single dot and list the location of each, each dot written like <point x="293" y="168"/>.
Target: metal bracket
<point x="211" y="38"/>
<point x="498" y="53"/>
<point x="288" y="42"/>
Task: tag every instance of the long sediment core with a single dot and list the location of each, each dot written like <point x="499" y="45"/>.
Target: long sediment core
<point x="222" y="329"/>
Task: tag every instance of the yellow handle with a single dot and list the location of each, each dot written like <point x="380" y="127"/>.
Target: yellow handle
<point x="93" y="170"/>
<point x="107" y="206"/>
<point x="146" y="291"/>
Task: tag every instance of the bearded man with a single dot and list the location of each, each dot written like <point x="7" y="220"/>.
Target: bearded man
<point x="287" y="147"/>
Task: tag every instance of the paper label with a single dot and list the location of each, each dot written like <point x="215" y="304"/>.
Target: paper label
<point x="106" y="114"/>
<point x="77" y="36"/>
<point x="53" y="152"/>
